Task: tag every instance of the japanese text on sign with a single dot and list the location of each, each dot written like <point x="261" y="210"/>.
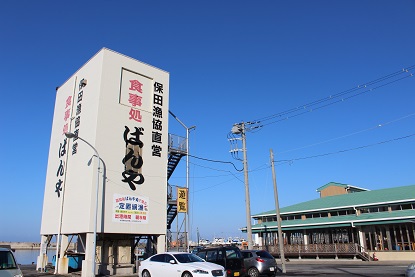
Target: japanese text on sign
<point x="130" y="209"/>
<point x="77" y="117"/>
<point x="139" y="89"/>
<point x="133" y="160"/>
<point x="182" y="200"/>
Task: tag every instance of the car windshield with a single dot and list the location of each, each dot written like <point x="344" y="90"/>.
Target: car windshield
<point x="264" y="254"/>
<point x="233" y="253"/>
<point x="187" y="258"/>
<point x="7" y="260"/>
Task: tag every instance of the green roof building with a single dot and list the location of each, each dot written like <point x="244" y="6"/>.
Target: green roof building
<point x="345" y="221"/>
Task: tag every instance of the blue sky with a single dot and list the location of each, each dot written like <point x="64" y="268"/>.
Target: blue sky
<point x="229" y="61"/>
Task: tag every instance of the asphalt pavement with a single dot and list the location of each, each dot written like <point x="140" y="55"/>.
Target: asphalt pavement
<point x="299" y="268"/>
<point x="343" y="268"/>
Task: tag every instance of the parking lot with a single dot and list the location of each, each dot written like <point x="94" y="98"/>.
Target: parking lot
<point x="303" y="268"/>
<point x="345" y="268"/>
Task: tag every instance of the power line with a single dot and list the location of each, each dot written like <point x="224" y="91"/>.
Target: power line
<point x="281" y="162"/>
<point x="198" y="190"/>
<point x="337" y="95"/>
<point x="261" y="167"/>
<point x="335" y="102"/>
<point x="347" y="150"/>
<point x="351" y="134"/>
<point x="334" y="99"/>
<point x="216" y="161"/>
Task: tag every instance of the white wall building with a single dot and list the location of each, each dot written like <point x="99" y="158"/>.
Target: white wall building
<point x="120" y="107"/>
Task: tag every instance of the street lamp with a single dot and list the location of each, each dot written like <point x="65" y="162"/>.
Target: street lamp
<point x="188" y="129"/>
<point x="72" y="135"/>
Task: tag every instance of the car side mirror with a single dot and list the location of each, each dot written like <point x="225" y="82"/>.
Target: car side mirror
<point x="172" y="261"/>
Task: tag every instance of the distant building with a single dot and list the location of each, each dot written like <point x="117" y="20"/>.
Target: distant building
<point x="332" y="188"/>
<point x="345" y="221"/>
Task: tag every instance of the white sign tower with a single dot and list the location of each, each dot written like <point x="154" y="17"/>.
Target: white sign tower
<point x="118" y="107"/>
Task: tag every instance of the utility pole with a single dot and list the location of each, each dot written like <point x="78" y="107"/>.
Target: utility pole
<point x="277" y="209"/>
<point x="239" y="128"/>
<point x="198" y="239"/>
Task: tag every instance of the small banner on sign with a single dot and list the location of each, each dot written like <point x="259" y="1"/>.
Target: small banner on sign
<point x="182" y="200"/>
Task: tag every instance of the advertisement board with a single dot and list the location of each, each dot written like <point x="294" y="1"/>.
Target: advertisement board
<point x="117" y="107"/>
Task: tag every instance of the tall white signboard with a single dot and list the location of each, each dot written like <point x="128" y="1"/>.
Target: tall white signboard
<point x="119" y="106"/>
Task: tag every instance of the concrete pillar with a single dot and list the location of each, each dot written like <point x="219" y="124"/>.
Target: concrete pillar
<point x="362" y="240"/>
<point x="161" y="243"/>
<point x="335" y="250"/>
<point x="257" y="239"/>
<point x="104" y="253"/>
<point x="89" y="255"/>
<point x="388" y="236"/>
<point x="306" y="239"/>
<point x="63" y="262"/>
<point x="42" y="259"/>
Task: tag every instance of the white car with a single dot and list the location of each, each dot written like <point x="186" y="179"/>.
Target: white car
<point x="8" y="265"/>
<point x="178" y="264"/>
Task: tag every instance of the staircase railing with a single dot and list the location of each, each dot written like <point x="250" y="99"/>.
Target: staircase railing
<point x="177" y="144"/>
<point x="177" y="149"/>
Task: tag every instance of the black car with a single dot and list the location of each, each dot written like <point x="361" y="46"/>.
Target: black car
<point x="197" y="249"/>
<point x="230" y="257"/>
<point x="259" y="262"/>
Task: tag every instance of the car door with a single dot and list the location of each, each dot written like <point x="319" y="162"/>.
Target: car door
<point x="169" y="269"/>
<point x="202" y="254"/>
<point x="249" y="260"/>
<point x="211" y="256"/>
<point x="155" y="264"/>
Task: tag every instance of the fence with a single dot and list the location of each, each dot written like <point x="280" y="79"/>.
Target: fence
<point x="336" y="250"/>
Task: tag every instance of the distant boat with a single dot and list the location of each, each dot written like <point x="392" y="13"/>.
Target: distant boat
<point x="218" y="241"/>
<point x="204" y="242"/>
<point x="222" y="241"/>
<point x="237" y="240"/>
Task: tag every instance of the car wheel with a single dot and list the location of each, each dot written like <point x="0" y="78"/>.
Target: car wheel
<point x="187" y="274"/>
<point x="146" y="273"/>
<point x="253" y="272"/>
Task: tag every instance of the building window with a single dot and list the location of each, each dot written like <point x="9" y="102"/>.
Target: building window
<point x="364" y="210"/>
<point x="396" y="207"/>
<point x="374" y="210"/>
<point x="407" y="206"/>
<point x="293" y="217"/>
<point x="324" y="215"/>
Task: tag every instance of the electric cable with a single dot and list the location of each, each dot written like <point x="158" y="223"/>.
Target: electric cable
<point x="309" y="106"/>
<point x="347" y="150"/>
<point x="351" y="134"/>
<point x="335" y="102"/>
<point x="216" y="161"/>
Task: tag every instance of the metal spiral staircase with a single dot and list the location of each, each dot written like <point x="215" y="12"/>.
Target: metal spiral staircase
<point x="177" y="149"/>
